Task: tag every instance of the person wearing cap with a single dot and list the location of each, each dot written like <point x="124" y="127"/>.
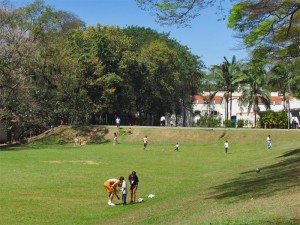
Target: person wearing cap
<point x="111" y="188"/>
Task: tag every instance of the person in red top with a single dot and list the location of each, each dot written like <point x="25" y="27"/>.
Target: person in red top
<point x="111" y="187"/>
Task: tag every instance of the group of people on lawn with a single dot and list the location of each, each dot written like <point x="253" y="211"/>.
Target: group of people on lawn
<point x="111" y="188"/>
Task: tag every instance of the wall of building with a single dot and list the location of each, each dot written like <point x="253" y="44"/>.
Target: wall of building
<point x="201" y="105"/>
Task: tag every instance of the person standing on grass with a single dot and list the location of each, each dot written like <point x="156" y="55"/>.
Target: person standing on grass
<point x="115" y="138"/>
<point x="76" y="139"/>
<point x="118" y="121"/>
<point x="269" y="144"/>
<point x="162" y="121"/>
<point x="176" y="147"/>
<point x="124" y="192"/>
<point x="134" y="181"/>
<point x="226" y="145"/>
<point x="145" y="141"/>
<point x="111" y="188"/>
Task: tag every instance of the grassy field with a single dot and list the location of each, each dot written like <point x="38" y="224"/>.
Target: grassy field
<point x="46" y="182"/>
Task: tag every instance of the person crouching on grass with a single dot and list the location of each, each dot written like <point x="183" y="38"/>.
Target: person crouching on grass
<point x="111" y="188"/>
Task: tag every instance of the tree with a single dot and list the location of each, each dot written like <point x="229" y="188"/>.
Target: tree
<point x="271" y="27"/>
<point x="279" y="77"/>
<point x="228" y="75"/>
<point x="164" y="68"/>
<point x="32" y="59"/>
<point x="170" y="12"/>
<point x="252" y="91"/>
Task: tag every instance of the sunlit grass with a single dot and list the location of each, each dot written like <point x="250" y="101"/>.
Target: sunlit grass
<point x="50" y="183"/>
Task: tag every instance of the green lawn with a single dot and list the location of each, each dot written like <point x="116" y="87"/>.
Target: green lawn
<point x="48" y="183"/>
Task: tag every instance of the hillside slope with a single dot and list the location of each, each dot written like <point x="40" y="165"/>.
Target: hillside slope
<point x="100" y="134"/>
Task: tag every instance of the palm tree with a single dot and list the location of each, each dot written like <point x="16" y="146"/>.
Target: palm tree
<point x="252" y="92"/>
<point x="279" y="78"/>
<point x="228" y="75"/>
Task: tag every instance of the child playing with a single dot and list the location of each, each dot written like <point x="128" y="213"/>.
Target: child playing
<point x="269" y="144"/>
<point x="176" y="147"/>
<point x="226" y="145"/>
<point x="124" y="192"/>
<point x="115" y="138"/>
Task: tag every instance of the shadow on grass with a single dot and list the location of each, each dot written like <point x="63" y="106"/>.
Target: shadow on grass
<point x="277" y="177"/>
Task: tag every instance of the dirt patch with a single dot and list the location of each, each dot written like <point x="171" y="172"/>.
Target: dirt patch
<point x="87" y="162"/>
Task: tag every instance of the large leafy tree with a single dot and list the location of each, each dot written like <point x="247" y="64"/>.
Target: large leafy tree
<point x="169" y="73"/>
<point x="271" y="27"/>
<point x="100" y="51"/>
<point x="31" y="44"/>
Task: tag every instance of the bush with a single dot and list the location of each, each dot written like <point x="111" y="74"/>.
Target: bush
<point x="208" y="122"/>
<point x="229" y="123"/>
<point x="240" y="123"/>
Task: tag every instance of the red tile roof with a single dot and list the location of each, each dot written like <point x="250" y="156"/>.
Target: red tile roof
<point x="202" y="99"/>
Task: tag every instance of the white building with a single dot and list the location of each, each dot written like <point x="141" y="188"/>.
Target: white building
<point x="206" y="105"/>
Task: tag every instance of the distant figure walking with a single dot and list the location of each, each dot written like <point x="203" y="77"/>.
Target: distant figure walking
<point x="115" y="138"/>
<point x="118" y="121"/>
<point x="145" y="141"/>
<point x="226" y="145"/>
<point x="76" y="139"/>
<point x="176" y="147"/>
<point x="269" y="143"/>
<point x="162" y="121"/>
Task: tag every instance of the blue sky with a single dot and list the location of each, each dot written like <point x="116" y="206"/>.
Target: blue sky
<point x="208" y="38"/>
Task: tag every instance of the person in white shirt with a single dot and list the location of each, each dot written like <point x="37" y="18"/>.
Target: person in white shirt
<point x="226" y="145"/>
<point x="176" y="147"/>
<point x="118" y="121"/>
<point x="163" y="121"/>
<point x="269" y="144"/>
<point x="124" y="192"/>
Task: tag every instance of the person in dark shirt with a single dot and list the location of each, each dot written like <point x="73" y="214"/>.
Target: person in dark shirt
<point x="134" y="181"/>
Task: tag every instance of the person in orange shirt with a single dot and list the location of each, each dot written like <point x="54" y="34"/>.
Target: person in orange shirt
<point x="111" y="188"/>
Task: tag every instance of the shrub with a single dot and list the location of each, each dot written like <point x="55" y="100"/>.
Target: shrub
<point x="229" y="123"/>
<point x="240" y="123"/>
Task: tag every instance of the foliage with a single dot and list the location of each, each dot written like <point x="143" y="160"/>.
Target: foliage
<point x="229" y="123"/>
<point x="252" y="90"/>
<point x="206" y="121"/>
<point x="271" y="27"/>
<point x="240" y="123"/>
<point x="53" y="68"/>
<point x="228" y="75"/>
<point x="177" y="12"/>
<point x="274" y="119"/>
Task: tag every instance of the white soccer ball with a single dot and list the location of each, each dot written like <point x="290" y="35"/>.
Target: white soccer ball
<point x="140" y="200"/>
